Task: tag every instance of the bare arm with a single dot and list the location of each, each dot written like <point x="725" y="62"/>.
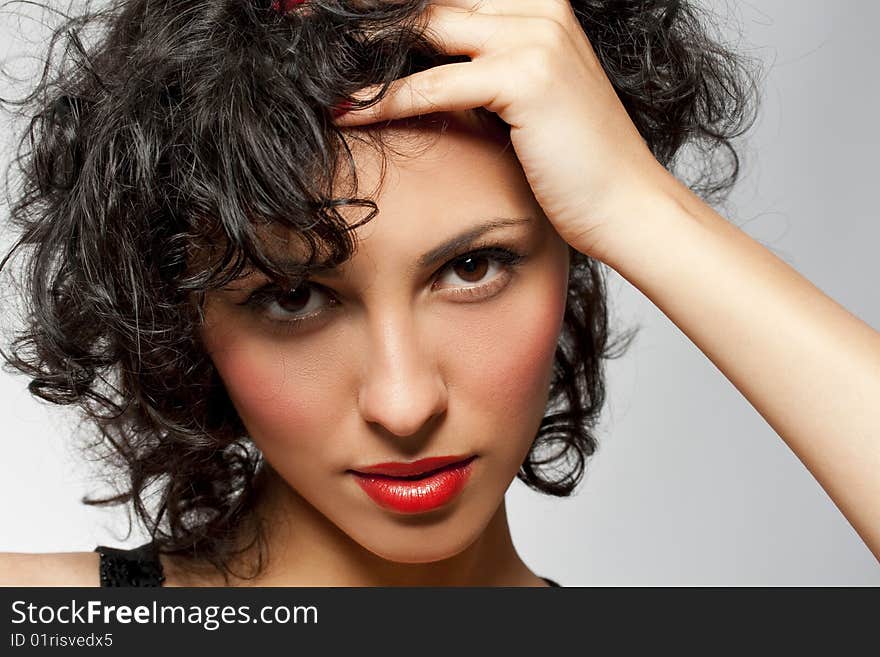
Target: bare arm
<point x="49" y="569"/>
<point x="806" y="364"/>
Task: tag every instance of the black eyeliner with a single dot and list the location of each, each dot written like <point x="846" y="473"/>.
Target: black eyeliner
<point x="268" y="292"/>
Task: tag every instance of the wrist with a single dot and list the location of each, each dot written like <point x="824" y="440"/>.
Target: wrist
<point x="642" y="220"/>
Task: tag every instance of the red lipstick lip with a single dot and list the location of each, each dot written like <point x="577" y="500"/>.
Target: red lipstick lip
<point x="422" y="466"/>
<point x="420" y="493"/>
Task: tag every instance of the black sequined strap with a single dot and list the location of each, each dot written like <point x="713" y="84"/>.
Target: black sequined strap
<point x="136" y="567"/>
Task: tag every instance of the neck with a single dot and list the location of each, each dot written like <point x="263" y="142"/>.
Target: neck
<point x="306" y="549"/>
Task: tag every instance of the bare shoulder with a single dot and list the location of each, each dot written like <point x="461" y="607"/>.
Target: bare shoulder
<point x="49" y="569"/>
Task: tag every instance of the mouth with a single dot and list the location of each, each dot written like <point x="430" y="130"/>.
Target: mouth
<point x="414" y="470"/>
<point x="416" y="493"/>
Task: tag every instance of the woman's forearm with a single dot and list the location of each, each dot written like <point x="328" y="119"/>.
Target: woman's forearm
<point x="805" y="363"/>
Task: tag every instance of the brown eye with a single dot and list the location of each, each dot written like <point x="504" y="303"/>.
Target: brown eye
<point x="295" y="300"/>
<point x="305" y="301"/>
<point x="471" y="269"/>
<point x="479" y="274"/>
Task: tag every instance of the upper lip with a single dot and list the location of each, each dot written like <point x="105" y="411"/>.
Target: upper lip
<point x="399" y="469"/>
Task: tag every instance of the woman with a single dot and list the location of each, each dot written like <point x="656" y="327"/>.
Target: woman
<point x="467" y="323"/>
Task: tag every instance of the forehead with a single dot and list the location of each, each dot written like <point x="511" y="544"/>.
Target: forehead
<point x="446" y="162"/>
<point x="434" y="178"/>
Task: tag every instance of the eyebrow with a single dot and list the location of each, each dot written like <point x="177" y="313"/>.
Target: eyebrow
<point x="461" y="241"/>
<point x="441" y="253"/>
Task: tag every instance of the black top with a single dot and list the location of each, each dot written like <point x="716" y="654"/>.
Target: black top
<point x="136" y="567"/>
<point x="140" y="566"/>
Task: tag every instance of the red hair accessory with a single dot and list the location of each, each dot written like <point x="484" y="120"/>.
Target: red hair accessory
<point x="286" y="5"/>
<point x="340" y="109"/>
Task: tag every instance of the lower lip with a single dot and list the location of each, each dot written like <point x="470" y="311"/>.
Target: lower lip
<point x="416" y="495"/>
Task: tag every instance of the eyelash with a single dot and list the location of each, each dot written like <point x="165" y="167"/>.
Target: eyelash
<point x="263" y="296"/>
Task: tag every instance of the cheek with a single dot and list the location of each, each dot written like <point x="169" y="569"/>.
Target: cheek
<point x="506" y="356"/>
<point x="274" y="392"/>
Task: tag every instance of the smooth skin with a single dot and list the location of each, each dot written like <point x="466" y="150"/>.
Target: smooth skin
<point x="805" y="363"/>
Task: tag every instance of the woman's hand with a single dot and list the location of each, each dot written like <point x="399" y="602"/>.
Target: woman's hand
<point x="532" y="64"/>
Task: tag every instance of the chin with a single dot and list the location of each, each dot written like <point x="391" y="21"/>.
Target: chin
<point x="421" y="539"/>
<point x="421" y="549"/>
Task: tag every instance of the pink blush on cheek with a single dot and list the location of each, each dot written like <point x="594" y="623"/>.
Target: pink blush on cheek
<point x="270" y="392"/>
<point x="508" y="357"/>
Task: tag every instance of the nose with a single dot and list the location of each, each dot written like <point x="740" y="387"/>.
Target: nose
<point x="401" y="388"/>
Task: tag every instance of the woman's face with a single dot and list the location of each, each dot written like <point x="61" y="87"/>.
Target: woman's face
<point x="409" y="349"/>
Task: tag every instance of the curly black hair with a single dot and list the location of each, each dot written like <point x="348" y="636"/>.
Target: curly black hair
<point x="154" y="153"/>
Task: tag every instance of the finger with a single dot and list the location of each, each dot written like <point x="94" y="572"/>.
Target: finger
<point x="447" y="88"/>
<point x="459" y="32"/>
<point x="560" y="10"/>
<point x="513" y="8"/>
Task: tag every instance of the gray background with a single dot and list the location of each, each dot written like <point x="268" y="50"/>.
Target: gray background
<point x="690" y="486"/>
